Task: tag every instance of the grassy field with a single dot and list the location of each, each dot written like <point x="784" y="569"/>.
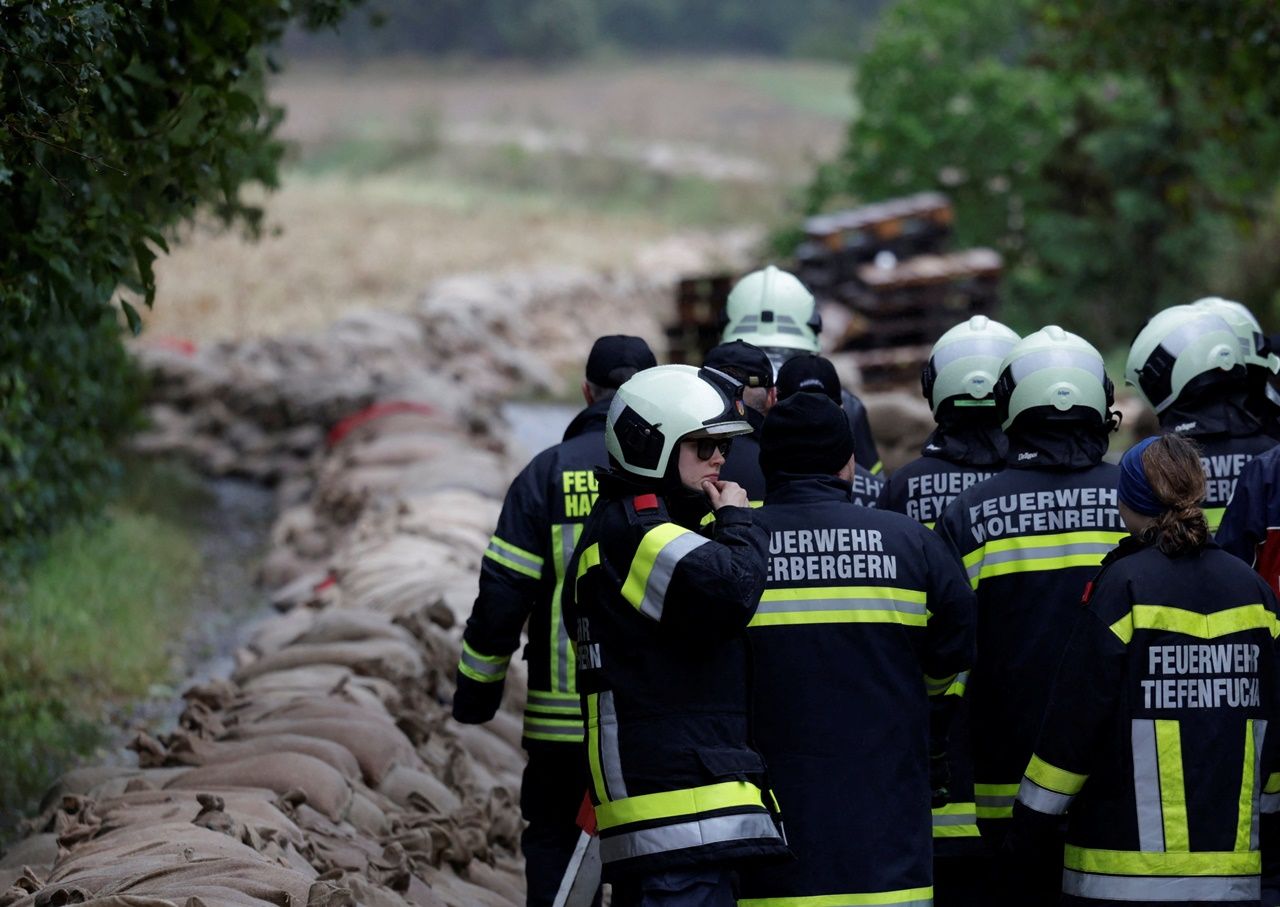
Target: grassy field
<point x="93" y="627"/>
<point x="402" y="173"/>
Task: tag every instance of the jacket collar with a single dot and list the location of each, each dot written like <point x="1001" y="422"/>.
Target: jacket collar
<point x="1056" y="445"/>
<point x="788" y="488"/>
<point x="967" y="445"/>
<point x="684" y="507"/>
<point x="590" y="419"/>
<point x="1224" y="414"/>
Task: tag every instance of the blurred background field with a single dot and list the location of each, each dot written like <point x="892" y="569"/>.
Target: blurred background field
<point x="400" y="172"/>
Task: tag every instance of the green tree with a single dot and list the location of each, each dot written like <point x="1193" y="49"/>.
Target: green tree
<point x="117" y="121"/>
<point x="1116" y="153"/>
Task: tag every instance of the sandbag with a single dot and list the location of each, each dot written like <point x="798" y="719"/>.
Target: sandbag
<point x="189" y="750"/>
<point x="376" y="745"/>
<point x="390" y="658"/>
<point x="325" y="787"/>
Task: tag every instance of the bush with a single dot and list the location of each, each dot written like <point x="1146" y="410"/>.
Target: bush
<point x="118" y="121"/>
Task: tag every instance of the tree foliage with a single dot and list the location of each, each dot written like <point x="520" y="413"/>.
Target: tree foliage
<point x="117" y="121"/>
<point x="1117" y="154"/>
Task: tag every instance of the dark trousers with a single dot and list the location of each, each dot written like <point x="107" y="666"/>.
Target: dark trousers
<point x="555" y="781"/>
<point x="678" y="888"/>
<point x="962" y="881"/>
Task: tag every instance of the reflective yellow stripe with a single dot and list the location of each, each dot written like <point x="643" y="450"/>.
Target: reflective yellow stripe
<point x="961" y="684"/>
<point x="938" y="686"/>
<point x="593" y="748"/>
<point x="1057" y="553"/>
<point x="930" y="524"/>
<point x="586" y="560"/>
<point x="955" y="820"/>
<point x="875" y="899"/>
<point x="514" y="549"/>
<point x="482" y="668"/>
<point x="878" y="468"/>
<point x="646" y="556"/>
<point x="1213" y="516"/>
<point x="1074" y="537"/>
<point x="1140" y="863"/>
<point x="1173" y="792"/>
<point x="1244" y="821"/>
<point x="1037" y="564"/>
<point x="772" y="610"/>
<point x="1050" y="777"/>
<point x="1193" y="623"/>
<point x="1273" y="784"/>
<point x="711" y="517"/>
<point x="670" y="804"/>
<point x="517" y="567"/>
<point x="995" y="801"/>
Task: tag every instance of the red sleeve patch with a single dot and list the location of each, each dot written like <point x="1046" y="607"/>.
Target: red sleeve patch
<point x="1088" y="593"/>
<point x="645" y="502"/>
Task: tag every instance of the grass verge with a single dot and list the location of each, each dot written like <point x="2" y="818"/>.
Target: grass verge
<point x="92" y="627"/>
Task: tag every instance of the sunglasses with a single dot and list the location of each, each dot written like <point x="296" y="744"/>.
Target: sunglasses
<point x="706" y="447"/>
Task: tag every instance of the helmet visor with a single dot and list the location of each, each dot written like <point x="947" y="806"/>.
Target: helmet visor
<point x="1046" y="359"/>
<point x="991" y="347"/>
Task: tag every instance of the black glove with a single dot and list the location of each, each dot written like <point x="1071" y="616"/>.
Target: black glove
<point x="474" y="702"/>
<point x="940" y="779"/>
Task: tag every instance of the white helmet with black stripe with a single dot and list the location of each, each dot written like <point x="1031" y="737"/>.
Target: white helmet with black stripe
<point x="964" y="364"/>
<point x="659" y="407"/>
<point x="1053" y="371"/>
<point x="771" y="309"/>
<point x="1178" y="346"/>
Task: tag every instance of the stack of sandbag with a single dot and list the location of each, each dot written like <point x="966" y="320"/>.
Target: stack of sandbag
<point x="900" y="421"/>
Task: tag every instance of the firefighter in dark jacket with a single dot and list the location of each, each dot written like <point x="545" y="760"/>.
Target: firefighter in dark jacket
<point x="1030" y="538"/>
<point x="814" y="374"/>
<point x="1187" y="363"/>
<point x="521" y="576"/>
<point x="864" y="616"/>
<point x="773" y="310"/>
<point x="1158" y="742"/>
<point x="749" y="365"/>
<point x="1262" y="363"/>
<point x="660" y="611"/>
<point x="1251" y="526"/>
<point x="967" y="447"/>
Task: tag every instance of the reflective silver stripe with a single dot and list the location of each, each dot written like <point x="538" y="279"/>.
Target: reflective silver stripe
<point x="664" y="565"/>
<point x="1146" y="786"/>
<point x="995" y="800"/>
<point x="940" y="821"/>
<point x="1023" y="554"/>
<point x="494" y="669"/>
<point x="568" y="539"/>
<point x="610" y="761"/>
<point x="1269" y="803"/>
<point x="563" y="704"/>
<point x="987" y="347"/>
<point x="1259" y="733"/>
<point x="1161" y="888"/>
<point x="1057" y="358"/>
<point x="840" y="604"/>
<point x="687" y="835"/>
<point x="501" y="552"/>
<point x="1049" y="802"/>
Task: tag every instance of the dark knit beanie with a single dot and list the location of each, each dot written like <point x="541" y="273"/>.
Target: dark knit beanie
<point x="808" y="372"/>
<point x="806" y="434"/>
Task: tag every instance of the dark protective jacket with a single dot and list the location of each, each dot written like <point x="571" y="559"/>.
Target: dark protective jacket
<point x="660" y="612"/>
<point x="1160" y="736"/>
<point x="520" y="580"/>
<point x="1029" y="538"/>
<point x="864" y="444"/>
<point x="1229" y="437"/>
<point x="954" y="457"/>
<point x="863" y="615"/>
<point x="1251" y="526"/>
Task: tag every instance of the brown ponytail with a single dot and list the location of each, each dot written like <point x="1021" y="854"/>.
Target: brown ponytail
<point x="1172" y="466"/>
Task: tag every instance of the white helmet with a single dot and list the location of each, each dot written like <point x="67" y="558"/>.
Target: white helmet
<point x="1248" y="331"/>
<point x="965" y="363"/>
<point x="773" y="310"/>
<point x="659" y="407"/>
<point x="1177" y="346"/>
<point x="1053" y="368"/>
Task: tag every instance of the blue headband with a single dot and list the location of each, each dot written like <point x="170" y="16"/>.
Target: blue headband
<point x="1135" y="490"/>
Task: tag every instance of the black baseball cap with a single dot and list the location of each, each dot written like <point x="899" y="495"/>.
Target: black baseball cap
<point x="615" y="358"/>
<point x="739" y="359"/>
<point x="808" y="372"/>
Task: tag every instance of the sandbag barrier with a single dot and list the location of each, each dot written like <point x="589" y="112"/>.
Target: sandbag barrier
<point x="325" y="770"/>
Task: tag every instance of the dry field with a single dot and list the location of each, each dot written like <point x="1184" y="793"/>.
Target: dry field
<point x="404" y="173"/>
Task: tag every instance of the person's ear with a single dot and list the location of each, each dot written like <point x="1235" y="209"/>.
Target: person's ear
<point x="846" y="471"/>
<point x="586" y="393"/>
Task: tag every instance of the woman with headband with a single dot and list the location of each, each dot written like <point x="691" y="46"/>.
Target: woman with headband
<point x="1159" y="745"/>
